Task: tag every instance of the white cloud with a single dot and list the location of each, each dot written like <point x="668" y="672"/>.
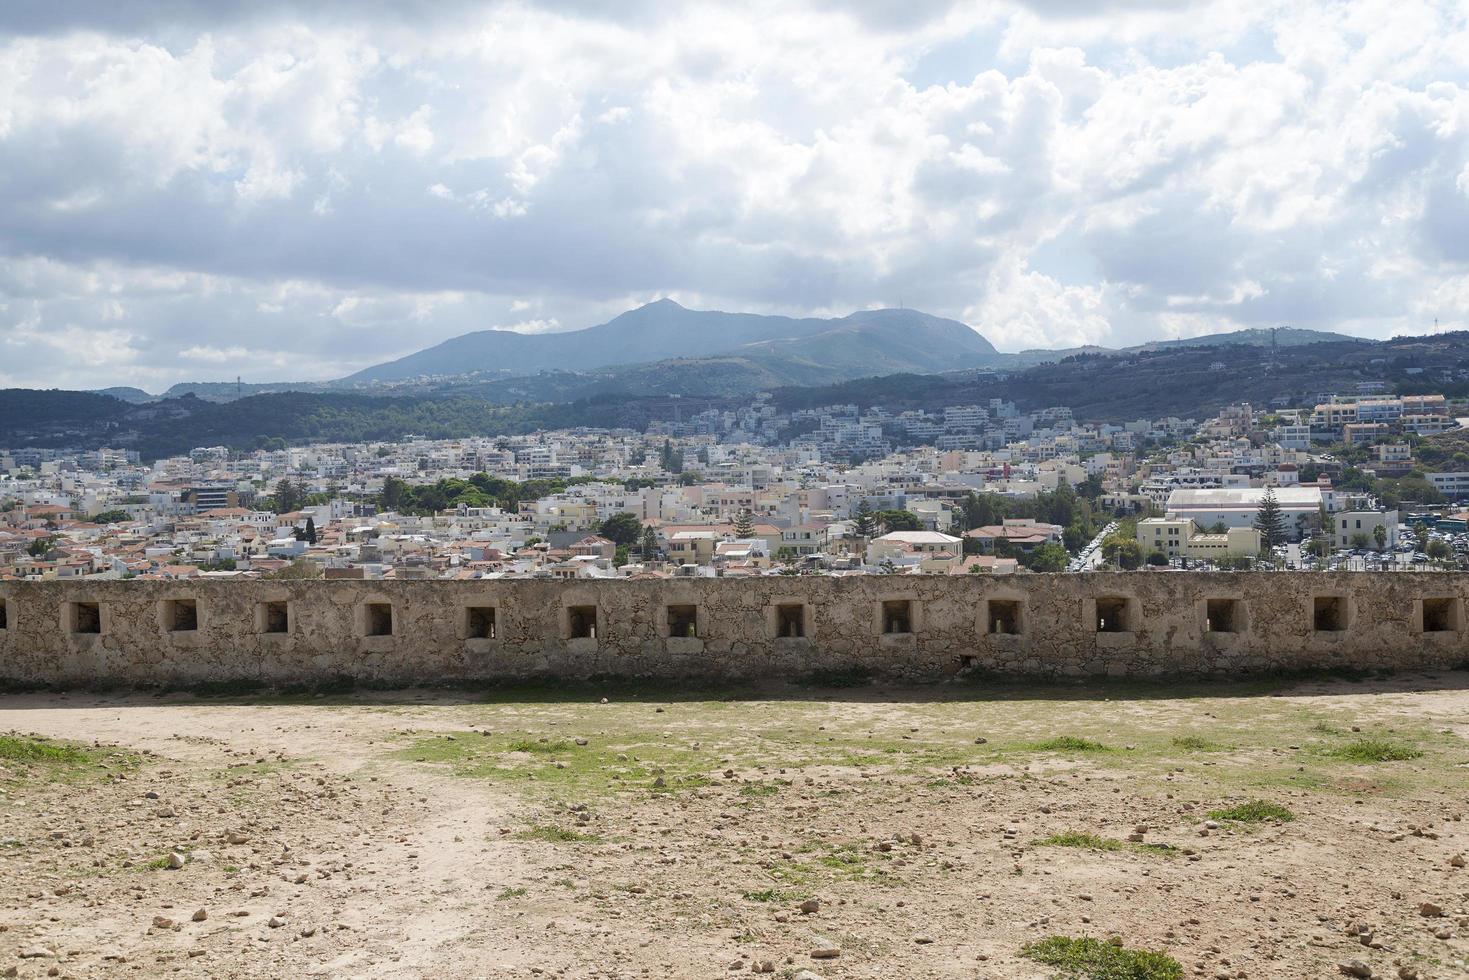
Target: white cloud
<point x="342" y="184"/>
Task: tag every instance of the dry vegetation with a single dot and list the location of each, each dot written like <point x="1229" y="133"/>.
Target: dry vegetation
<point x="1112" y="833"/>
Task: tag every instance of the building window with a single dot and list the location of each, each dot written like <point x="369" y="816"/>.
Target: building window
<point x="897" y="616"/>
<point x="1329" y="613"/>
<point x="581" y="622"/>
<point x="790" y="621"/>
<point x="180" y="616"/>
<point x="1004" y="617"/>
<point x="479" y="622"/>
<point x="273" y="617"/>
<point x="84" y="617"/>
<point x="683" y="621"/>
<point x="1220" y="616"/>
<point x="377" y="619"/>
<point x="1112" y="615"/>
<point x="1440" y="615"/>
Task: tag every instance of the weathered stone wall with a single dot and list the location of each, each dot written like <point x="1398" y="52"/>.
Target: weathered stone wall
<point x="1394" y="620"/>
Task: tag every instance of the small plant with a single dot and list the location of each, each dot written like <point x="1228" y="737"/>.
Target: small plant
<point x="557" y="835"/>
<point x="509" y="893"/>
<point x="17" y="749"/>
<point x="1255" y="811"/>
<point x="1090" y="842"/>
<point x="1069" y="743"/>
<point x="1093" y="959"/>
<point x="1195" y="743"/>
<point x="759" y="789"/>
<point x="767" y="895"/>
<point x="157" y="864"/>
<point x="547" y="748"/>
<point x="1373" y="750"/>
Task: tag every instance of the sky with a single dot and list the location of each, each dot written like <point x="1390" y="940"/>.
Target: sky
<point x="198" y="189"/>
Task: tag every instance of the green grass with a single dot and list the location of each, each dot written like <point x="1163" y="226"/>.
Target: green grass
<point x="767" y="895"/>
<point x="1373" y="750"/>
<point x="1069" y="743"/>
<point x="1255" y="811"/>
<point x="1093" y="959"/>
<point x="1090" y="842"/>
<point x="548" y="747"/>
<point x="40" y="751"/>
<point x="557" y="835"/>
<point x="759" y="789"/>
<point x="510" y="893"/>
<point x="1196" y="743"/>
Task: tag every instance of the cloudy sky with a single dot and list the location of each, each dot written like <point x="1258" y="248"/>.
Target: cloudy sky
<point x="194" y="189"/>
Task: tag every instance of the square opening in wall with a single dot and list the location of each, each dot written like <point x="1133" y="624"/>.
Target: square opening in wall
<point x="683" y="620"/>
<point x="479" y="622"/>
<point x="4" y="615"/>
<point x="1440" y="615"/>
<point x="275" y="617"/>
<point x="85" y="617"/>
<point x="790" y="621"/>
<point x="1329" y="614"/>
<point x="1112" y="615"/>
<point x="1004" y="617"/>
<point x="180" y="615"/>
<point x="581" y="622"/>
<point x="1220" y="616"/>
<point x="897" y="616"/>
<point x="379" y="619"/>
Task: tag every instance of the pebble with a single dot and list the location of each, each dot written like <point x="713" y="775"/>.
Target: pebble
<point x="826" y="951"/>
<point x="811" y="905"/>
<point x="1354" y="968"/>
<point x="201" y="915"/>
<point x="1429" y="910"/>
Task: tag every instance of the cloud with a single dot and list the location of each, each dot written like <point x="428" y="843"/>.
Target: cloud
<point x="292" y="190"/>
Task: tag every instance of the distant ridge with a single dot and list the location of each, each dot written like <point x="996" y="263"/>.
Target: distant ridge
<point x="869" y="341"/>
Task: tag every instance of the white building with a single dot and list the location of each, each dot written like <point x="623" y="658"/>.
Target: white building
<point x="1347" y="524"/>
<point x="1299" y="506"/>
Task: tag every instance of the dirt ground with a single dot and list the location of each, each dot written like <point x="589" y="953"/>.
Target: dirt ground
<point x="927" y="832"/>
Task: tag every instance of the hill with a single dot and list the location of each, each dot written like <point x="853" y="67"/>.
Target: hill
<point x="870" y="341"/>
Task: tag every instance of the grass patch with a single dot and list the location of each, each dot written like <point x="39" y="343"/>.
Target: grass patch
<point x="767" y="895"/>
<point x="1255" y="811"/>
<point x="1093" y="959"/>
<point x="1090" y="842"/>
<point x="1069" y="743"/>
<point x="510" y="893"/>
<point x="557" y="835"/>
<point x="759" y="789"/>
<point x="1373" y="750"/>
<point x="34" y="750"/>
<point x="1196" y="743"/>
<point x="556" y="747"/>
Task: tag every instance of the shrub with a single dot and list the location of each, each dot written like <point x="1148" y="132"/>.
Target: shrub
<point x="1093" y="959"/>
<point x="1255" y="811"/>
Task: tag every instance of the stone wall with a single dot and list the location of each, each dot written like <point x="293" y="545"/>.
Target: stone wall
<point x="1117" y="624"/>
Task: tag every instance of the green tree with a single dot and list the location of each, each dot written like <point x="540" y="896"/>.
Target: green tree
<point x="1379" y="537"/>
<point x="287" y="497"/>
<point x="649" y="546"/>
<point x="1269" y="521"/>
<point x="310" y="536"/>
<point x="111" y="517"/>
<point x="899" y="520"/>
<point x="866" y="526"/>
<point x="1123" y="552"/>
<point x="623" y="529"/>
<point x="41" y="546"/>
<point x="395" y="492"/>
<point x="1438" y="549"/>
<point x="744" y="525"/>
<point x="1049" y="557"/>
<point x="1359" y="541"/>
<point x="1157" y="558"/>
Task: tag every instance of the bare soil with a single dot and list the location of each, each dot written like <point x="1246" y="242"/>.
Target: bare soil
<point x="534" y="832"/>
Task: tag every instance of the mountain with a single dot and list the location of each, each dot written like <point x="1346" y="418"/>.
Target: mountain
<point x="133" y="396"/>
<point x="868" y="342"/>
<point x="1257" y="337"/>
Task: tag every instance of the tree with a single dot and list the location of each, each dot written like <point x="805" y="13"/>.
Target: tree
<point x="111" y="517"/>
<point x="744" y="525"/>
<point x="866" y="521"/>
<point x="899" y="520"/>
<point x="623" y="529"/>
<point x="1269" y="521"/>
<point x="310" y="536"/>
<point x="1157" y="558"/>
<point x="1360" y="541"/>
<point x="40" y="546"/>
<point x="649" y="545"/>
<point x="395" y="491"/>
<point x="287" y="497"/>
<point x="1049" y="557"/>
<point x="1123" y="552"/>
<point x="1438" y="549"/>
<point x="1379" y="537"/>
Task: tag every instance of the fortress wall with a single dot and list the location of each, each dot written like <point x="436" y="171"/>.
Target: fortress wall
<point x="896" y="626"/>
